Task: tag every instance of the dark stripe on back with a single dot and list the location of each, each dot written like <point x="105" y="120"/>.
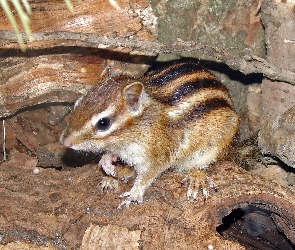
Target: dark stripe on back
<point x="163" y="76"/>
<point x="206" y="107"/>
<point x="190" y="88"/>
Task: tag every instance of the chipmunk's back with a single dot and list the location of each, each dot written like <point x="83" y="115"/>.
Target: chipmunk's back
<point x="189" y="89"/>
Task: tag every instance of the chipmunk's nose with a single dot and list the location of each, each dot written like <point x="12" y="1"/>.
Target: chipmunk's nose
<point x="66" y="140"/>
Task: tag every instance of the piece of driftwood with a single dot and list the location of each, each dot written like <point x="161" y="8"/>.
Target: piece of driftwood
<point x="56" y="207"/>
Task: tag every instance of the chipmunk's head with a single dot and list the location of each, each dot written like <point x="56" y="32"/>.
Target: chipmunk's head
<point x="103" y="113"/>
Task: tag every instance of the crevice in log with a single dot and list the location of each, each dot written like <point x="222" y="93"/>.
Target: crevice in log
<point x="255" y="227"/>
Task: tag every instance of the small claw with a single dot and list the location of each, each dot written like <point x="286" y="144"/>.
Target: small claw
<point x="125" y="203"/>
<point x="192" y="193"/>
<point x="198" y="180"/>
<point x="108" y="183"/>
<point x="205" y="193"/>
<point x="130" y="199"/>
<point x="124" y="195"/>
<point x="211" y="184"/>
<point x="195" y="194"/>
<point x="186" y="180"/>
<point x="189" y="193"/>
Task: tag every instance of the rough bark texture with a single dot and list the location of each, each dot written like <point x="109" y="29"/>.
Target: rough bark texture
<point x="56" y="207"/>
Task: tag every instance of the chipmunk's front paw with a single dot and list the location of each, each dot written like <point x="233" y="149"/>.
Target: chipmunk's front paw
<point x="106" y="162"/>
<point x="198" y="180"/>
<point x="108" y="183"/>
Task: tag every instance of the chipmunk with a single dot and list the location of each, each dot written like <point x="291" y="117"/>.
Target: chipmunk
<point x="178" y="117"/>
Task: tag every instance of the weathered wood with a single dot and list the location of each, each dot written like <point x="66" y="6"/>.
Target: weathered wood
<point x="54" y="71"/>
<point x="57" y="207"/>
<point x="28" y="81"/>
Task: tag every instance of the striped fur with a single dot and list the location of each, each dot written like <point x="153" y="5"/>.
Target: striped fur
<point x="188" y="82"/>
<point x="178" y="81"/>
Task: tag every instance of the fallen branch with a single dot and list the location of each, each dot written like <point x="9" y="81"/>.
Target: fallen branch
<point x="248" y="64"/>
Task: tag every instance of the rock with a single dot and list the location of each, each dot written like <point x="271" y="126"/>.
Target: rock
<point x="278" y="138"/>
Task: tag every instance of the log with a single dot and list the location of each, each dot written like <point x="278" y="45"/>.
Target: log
<point x="56" y="208"/>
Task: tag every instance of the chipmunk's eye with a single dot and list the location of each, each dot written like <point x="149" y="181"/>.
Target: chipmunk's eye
<point x="103" y="124"/>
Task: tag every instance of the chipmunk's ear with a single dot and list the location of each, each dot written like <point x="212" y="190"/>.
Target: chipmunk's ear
<point x="133" y="95"/>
